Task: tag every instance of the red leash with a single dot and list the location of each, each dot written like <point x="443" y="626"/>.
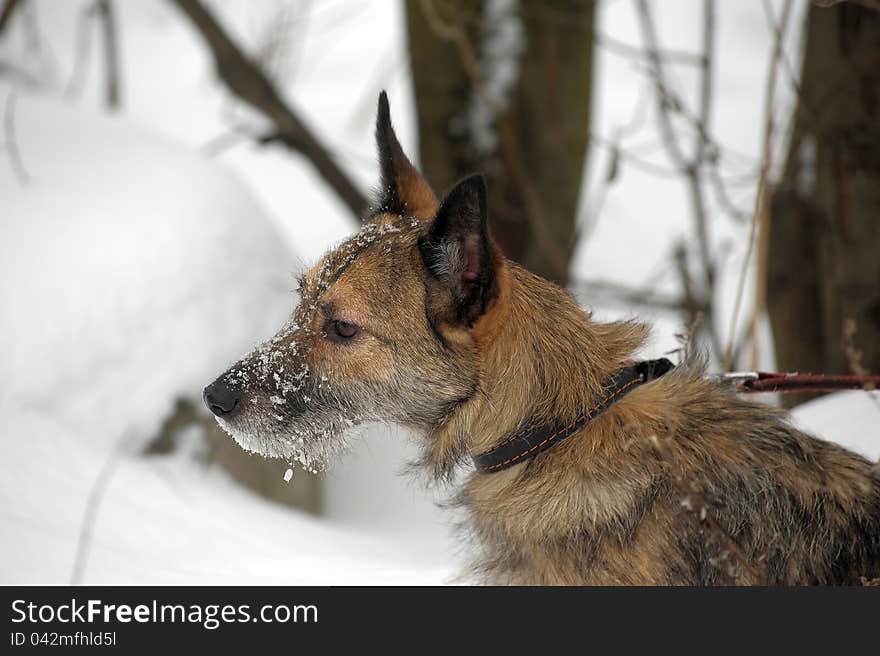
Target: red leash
<point x="762" y="381"/>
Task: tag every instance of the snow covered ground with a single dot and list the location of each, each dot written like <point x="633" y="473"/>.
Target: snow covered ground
<point x="849" y="418"/>
<point x="134" y="267"/>
<point x="132" y="271"/>
<point x="167" y="519"/>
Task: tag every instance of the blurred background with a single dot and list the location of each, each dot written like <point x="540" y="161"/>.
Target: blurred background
<point x="167" y="168"/>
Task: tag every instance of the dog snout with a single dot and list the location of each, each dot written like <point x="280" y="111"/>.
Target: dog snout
<point x="221" y="399"/>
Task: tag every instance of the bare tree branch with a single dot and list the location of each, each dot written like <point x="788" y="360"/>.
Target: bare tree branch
<point x="93" y="506"/>
<point x="700" y="153"/>
<point x="250" y="84"/>
<point x="611" y="292"/>
<point x="691" y="167"/>
<point x="6" y="13"/>
<point x="82" y="52"/>
<point x="626" y="50"/>
<point x="691" y="302"/>
<point x="11" y="142"/>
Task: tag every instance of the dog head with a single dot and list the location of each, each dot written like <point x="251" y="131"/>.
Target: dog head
<point x="383" y="331"/>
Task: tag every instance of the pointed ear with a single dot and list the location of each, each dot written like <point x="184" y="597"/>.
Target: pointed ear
<point x="403" y="190"/>
<point x="459" y="252"/>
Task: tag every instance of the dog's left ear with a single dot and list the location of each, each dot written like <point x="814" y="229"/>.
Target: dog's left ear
<point x="459" y="252"/>
<point x="402" y="190"/>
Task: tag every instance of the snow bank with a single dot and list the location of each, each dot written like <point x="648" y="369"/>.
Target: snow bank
<point x="130" y="269"/>
<point x="167" y="520"/>
<point x="131" y="272"/>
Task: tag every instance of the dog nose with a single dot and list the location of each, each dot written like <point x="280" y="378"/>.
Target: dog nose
<point x="220" y="398"/>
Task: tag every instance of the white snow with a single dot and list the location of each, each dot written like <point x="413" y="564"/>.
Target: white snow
<point x="852" y="419"/>
<point x="132" y="271"/>
<point x="129" y="268"/>
<point x="167" y="520"/>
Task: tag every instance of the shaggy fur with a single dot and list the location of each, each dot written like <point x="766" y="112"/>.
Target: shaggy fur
<point x="680" y="482"/>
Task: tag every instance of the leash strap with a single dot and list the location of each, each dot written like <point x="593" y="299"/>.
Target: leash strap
<point x="762" y="381"/>
<point x="529" y="440"/>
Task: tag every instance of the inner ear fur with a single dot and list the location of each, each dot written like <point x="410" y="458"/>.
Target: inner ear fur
<point x="402" y="189"/>
<point x="459" y="253"/>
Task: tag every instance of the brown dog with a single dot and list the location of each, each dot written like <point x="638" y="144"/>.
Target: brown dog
<point x="420" y="320"/>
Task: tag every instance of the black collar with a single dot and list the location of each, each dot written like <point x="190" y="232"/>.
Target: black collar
<point x="531" y="438"/>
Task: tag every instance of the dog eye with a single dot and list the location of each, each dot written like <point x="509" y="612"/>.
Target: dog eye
<point x="344" y="329"/>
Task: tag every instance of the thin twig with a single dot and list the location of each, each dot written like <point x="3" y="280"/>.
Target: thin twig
<point x="232" y="136"/>
<point x="11" y="142"/>
<point x="854" y="357"/>
<point x="615" y="292"/>
<point x="716" y="152"/>
<point x="766" y="156"/>
<point x="82" y="53"/>
<point x="701" y="146"/>
<point x="589" y="218"/>
<point x="93" y="506"/>
<point x="245" y="79"/>
<point x="691" y="303"/>
<point x="634" y="52"/>
<point x="691" y="167"/>
<point x="627" y="156"/>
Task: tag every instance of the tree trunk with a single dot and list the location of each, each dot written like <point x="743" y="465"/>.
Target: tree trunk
<point x="536" y="164"/>
<point x="824" y="236"/>
<point x="442" y="92"/>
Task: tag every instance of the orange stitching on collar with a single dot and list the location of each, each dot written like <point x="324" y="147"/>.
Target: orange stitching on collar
<point x="520" y="433"/>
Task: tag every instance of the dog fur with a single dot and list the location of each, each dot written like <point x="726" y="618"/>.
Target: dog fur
<point x="420" y="320"/>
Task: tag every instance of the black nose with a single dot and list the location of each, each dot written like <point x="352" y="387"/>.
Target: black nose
<point x="220" y="398"/>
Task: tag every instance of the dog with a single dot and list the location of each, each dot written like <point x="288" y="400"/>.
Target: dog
<point x="591" y="468"/>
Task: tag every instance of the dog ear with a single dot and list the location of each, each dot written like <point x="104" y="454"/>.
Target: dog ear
<point x="403" y="190"/>
<point x="459" y="252"/>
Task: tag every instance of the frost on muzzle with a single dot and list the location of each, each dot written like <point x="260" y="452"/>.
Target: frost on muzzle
<point x="272" y="404"/>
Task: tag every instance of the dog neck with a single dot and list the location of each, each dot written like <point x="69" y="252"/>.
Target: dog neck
<point x="541" y="357"/>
